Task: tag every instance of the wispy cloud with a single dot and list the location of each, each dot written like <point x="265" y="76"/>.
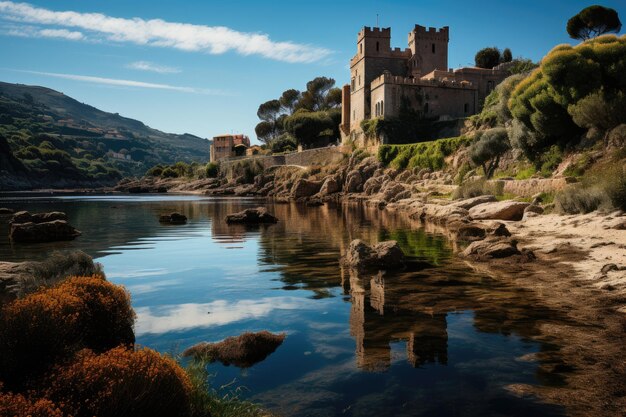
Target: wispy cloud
<point x="152" y="67"/>
<point x="61" y="33"/>
<point x="127" y="83"/>
<point x="160" y="33"/>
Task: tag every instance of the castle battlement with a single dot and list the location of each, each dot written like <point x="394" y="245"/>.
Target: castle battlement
<point x="421" y="30"/>
<point x="425" y="82"/>
<point x="374" y="32"/>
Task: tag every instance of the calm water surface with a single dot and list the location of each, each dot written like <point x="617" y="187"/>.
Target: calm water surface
<point x="434" y="340"/>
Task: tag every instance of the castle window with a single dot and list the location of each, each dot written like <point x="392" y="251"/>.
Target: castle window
<point x="433" y="48"/>
<point x="377" y="46"/>
<point x="359" y="80"/>
<point x="382" y="108"/>
<point x="466" y="107"/>
<point x="426" y="108"/>
<point x="352" y="85"/>
<point x="361" y="48"/>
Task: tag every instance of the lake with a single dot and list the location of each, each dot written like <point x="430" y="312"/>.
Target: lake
<point x="436" y="339"/>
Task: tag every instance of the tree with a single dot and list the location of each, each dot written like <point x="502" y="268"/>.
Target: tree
<point x="487" y="58"/>
<point x="268" y="112"/>
<point x="289" y="99"/>
<point x="307" y="126"/>
<point x="333" y="98"/>
<point x="593" y="21"/>
<point x="507" y="55"/>
<point x="314" y="98"/>
<point x="488" y="149"/>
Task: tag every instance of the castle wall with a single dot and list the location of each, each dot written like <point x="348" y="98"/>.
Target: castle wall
<point x="429" y="48"/>
<point x="434" y="99"/>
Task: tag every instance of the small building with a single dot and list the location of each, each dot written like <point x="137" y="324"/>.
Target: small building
<point x="229" y="146"/>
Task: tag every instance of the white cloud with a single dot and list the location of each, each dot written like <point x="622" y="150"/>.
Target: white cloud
<point x="128" y="83"/>
<point x="160" y="33"/>
<point x="61" y="33"/>
<point x="152" y="67"/>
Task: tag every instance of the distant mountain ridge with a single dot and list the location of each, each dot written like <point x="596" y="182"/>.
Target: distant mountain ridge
<point x="45" y="128"/>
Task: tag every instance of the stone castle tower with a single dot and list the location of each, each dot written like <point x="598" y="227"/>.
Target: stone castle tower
<point x="382" y="78"/>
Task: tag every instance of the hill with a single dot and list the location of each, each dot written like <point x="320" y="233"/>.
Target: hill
<point x="56" y="141"/>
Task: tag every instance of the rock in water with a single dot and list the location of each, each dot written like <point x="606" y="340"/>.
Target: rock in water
<point x="501" y="210"/>
<point x="26" y="217"/>
<point x="251" y="216"/>
<point x="42" y="232"/>
<point x="383" y="255"/>
<point x="305" y="188"/>
<point x="173" y="218"/>
<point x="242" y="351"/>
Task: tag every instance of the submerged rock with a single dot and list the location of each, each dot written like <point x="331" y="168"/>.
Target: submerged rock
<point x="173" y="218"/>
<point x="384" y="255"/>
<point x="42" y="232"/>
<point x="26" y="217"/>
<point x="501" y="210"/>
<point x="251" y="216"/>
<point x="242" y="351"/>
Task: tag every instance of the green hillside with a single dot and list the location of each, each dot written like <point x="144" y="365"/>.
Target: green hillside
<point x="55" y="141"/>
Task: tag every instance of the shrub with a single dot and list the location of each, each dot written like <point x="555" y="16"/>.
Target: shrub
<point x="120" y="382"/>
<point x="169" y="172"/>
<point x="487" y="57"/>
<point x="580" y="199"/>
<point x="212" y="170"/>
<point x="599" y="110"/>
<point x="61" y="265"/>
<point x="488" y="149"/>
<point x="52" y="324"/>
<point x="475" y="188"/>
<point x="421" y="155"/>
<point x="17" y="405"/>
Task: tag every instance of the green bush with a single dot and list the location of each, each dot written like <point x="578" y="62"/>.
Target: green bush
<point x="169" y="172"/>
<point x="212" y="170"/>
<point x="489" y="147"/>
<point x="421" y="155"/>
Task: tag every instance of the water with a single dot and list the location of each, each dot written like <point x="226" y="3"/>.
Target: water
<point x="434" y="340"/>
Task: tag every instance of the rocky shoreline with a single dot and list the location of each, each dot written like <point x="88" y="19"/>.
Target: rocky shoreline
<point x="575" y="263"/>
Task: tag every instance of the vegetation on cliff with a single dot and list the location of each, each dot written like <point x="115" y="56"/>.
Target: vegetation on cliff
<point x="51" y="140"/>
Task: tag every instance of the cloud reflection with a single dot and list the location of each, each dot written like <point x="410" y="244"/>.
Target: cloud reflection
<point x="163" y="319"/>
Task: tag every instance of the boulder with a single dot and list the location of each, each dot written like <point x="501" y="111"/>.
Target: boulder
<point x="372" y="185"/>
<point x="403" y="176"/>
<point x="471" y="231"/>
<point x="242" y="351"/>
<point x="26" y="217"/>
<point x="42" y="232"/>
<point x="251" y="216"/>
<point x="6" y="211"/>
<point x="305" y="188"/>
<point x="472" y="202"/>
<point x="501" y="210"/>
<point x="391" y="191"/>
<point x="354" y="182"/>
<point x="386" y="255"/>
<point x="492" y="248"/>
<point x="173" y="218"/>
<point x="330" y="186"/>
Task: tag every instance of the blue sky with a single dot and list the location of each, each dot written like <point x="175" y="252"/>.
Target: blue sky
<point x="203" y="67"/>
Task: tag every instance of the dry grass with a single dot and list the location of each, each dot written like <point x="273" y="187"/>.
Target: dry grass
<point x="242" y="351"/>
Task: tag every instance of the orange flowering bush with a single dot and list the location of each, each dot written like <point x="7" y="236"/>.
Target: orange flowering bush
<point x="52" y="324"/>
<point x="120" y="382"/>
<point x="16" y="405"/>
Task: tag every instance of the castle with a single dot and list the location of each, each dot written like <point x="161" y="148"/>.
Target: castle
<point x="383" y="79"/>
